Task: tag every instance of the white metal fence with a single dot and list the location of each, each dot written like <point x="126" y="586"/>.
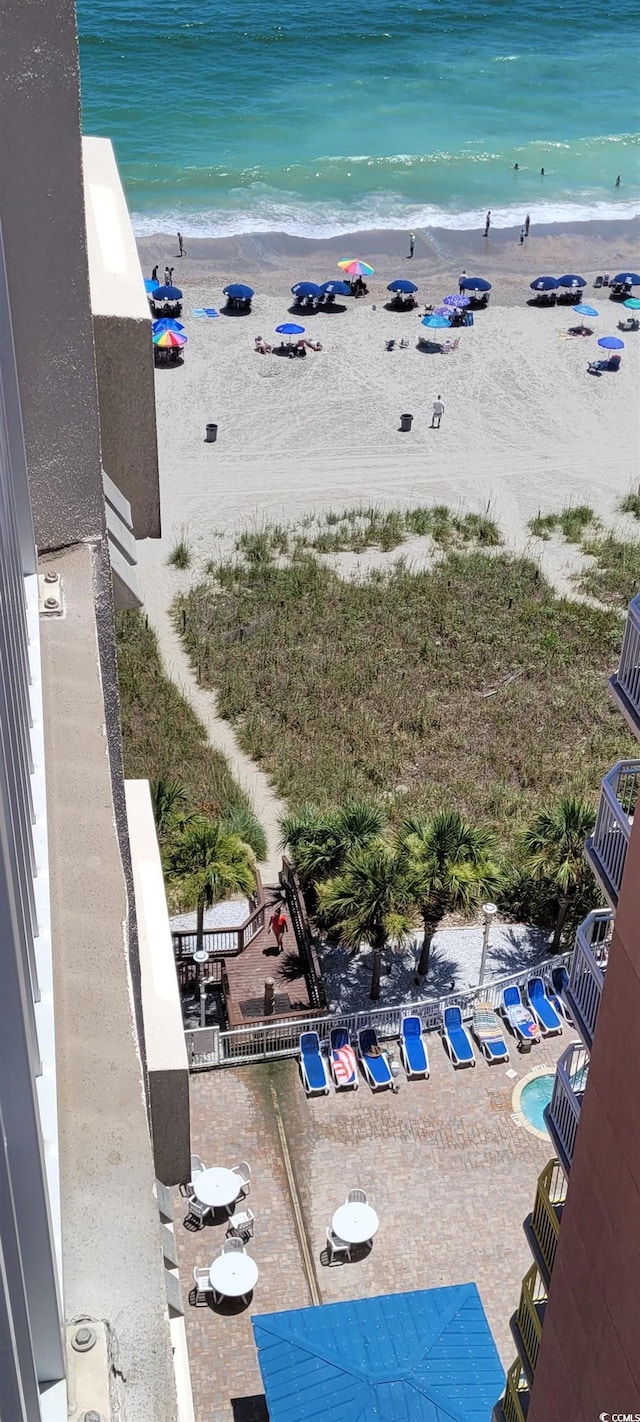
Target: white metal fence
<point x="208" y="1047"/>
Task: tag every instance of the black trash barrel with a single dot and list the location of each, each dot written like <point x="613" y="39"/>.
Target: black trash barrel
<point x="405" y="422"/>
<point x="212" y="434"/>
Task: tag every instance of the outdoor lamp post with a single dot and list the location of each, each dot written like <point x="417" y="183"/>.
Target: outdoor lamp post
<point x="200" y="956"/>
<point x="489" y="912"/>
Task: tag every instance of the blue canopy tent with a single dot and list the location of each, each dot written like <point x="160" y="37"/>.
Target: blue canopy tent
<point x="544" y="283"/>
<point x="403" y="285"/>
<point x="414" y="1357"/>
<point x="476" y="284"/>
<point x="306" y="289"/>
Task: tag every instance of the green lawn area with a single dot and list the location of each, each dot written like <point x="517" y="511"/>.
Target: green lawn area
<point x="469" y="685"/>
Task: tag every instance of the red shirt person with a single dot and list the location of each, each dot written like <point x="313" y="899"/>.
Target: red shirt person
<point x="279" y="925"/>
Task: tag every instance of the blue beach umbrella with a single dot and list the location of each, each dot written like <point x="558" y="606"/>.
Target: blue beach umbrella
<point x="335" y="288"/>
<point x="167" y="293"/>
<point x="633" y="303"/>
<point x="306" y="288"/>
<point x="456" y="301"/>
<point x="435" y="322"/>
<point x="611" y="343"/>
<point x="289" y="328"/>
<point x="402" y="284"/>
<point x="238" y="292"/>
<point x="629" y="279"/>
<point x="571" y="281"/>
<point x="166" y="323"/>
<point x="476" y="284"/>
<point x="150" y="284"/>
<point x="583" y="310"/>
<point x="544" y="283"/>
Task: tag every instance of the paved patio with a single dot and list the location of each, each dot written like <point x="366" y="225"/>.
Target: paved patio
<point x="448" y="1170"/>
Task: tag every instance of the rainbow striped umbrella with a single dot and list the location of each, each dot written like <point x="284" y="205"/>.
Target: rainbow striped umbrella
<point x="168" y="339"/>
<point x="353" y="267"/>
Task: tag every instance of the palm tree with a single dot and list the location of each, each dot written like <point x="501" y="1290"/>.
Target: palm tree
<point x="321" y="840"/>
<point x="553" y="846"/>
<point x="451" y="865"/>
<point x="369" y="901"/>
<point x="205" y="863"/>
<point x="169" y="799"/>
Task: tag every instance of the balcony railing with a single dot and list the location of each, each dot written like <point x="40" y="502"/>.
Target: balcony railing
<point x="542" y="1227"/>
<point x="526" y="1325"/>
<point x="515" y="1404"/>
<point x="607" y="848"/>
<point x="588" y="966"/>
<point x="625" y="683"/>
<point x="563" y="1112"/>
<point x="220" y="942"/>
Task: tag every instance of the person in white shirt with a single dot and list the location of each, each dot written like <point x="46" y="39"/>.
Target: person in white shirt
<point x="438" y="412"/>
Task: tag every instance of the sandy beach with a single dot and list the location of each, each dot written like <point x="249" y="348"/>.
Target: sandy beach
<point x="525" y="426"/>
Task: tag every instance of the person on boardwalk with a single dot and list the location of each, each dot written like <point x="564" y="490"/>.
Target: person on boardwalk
<point x="461" y="281"/>
<point x="154" y="274"/>
<point x="527" y="224"/>
<point x="180" y="245"/>
<point x="438" y="412"/>
<point x="279" y="926"/>
<point x="487" y="223"/>
<point x="412" y="242"/>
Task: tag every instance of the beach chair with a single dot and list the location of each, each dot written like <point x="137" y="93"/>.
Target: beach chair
<point x="456" y="1038"/>
<point x="342" y="1060"/>
<point x="542" y="1009"/>
<point x="487" y="1030"/>
<point x="312" y="1065"/>
<point x="559" y="980"/>
<point x="375" y="1067"/>
<point x="521" y="1021"/>
<point x="413" y="1050"/>
<point x="597" y="283"/>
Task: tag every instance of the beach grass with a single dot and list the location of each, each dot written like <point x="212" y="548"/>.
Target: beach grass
<point x="370" y="526"/>
<point x="469" y="684"/>
<point x="572" y="523"/>
<point x="631" y="505"/>
<point x="614" y="575"/>
<point x="163" y="738"/>
<point x="180" y="555"/>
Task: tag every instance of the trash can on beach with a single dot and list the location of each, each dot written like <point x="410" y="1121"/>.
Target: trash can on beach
<point x="211" y="434"/>
<point x="405" y="423"/>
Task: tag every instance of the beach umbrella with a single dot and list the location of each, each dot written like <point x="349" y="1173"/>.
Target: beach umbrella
<point x="289" y="328"/>
<point x="150" y="284"/>
<point x="335" y="288"/>
<point x="633" y="303"/>
<point x="306" y="288"/>
<point x="544" y="283"/>
<point x="402" y="284"/>
<point x="168" y="340"/>
<point x="611" y="343"/>
<point x="476" y="284"/>
<point x="167" y="293"/>
<point x="571" y="281"/>
<point x="166" y="323"/>
<point x="353" y="267"/>
<point x="238" y="292"/>
<point x="626" y="278"/>
<point x="583" y="311"/>
<point x="455" y="300"/>
<point x="435" y="322"/>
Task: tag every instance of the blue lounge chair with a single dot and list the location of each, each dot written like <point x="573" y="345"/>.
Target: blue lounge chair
<point x="312" y="1065"/>
<point x="413" y="1049"/>
<point x="342" y="1059"/>
<point x="560" y="978"/>
<point x="375" y="1067"/>
<point x="487" y="1031"/>
<point x="521" y="1021"/>
<point x="456" y="1038"/>
<point x="542" y="1009"/>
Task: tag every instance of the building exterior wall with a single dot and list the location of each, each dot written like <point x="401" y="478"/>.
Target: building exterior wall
<point x="589" y="1359"/>
<point x="126" y="396"/>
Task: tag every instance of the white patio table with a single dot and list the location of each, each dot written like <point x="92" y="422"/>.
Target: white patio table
<point x="355" y="1223"/>
<point x="233" y="1275"/>
<point x="217" y="1187"/>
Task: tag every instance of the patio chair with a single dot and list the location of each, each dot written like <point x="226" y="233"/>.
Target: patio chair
<point x="521" y="1021"/>
<point x="542" y="1009"/>
<point x="243" y="1172"/>
<point x="198" y="1210"/>
<point x="241" y="1223"/>
<point x="336" y="1246"/>
<point x="456" y="1038"/>
<point x="559" y="980"/>
<point x="197" y="1166"/>
<point x="374" y="1065"/>
<point x="357" y="1197"/>
<point x="488" y="1033"/>
<point x="597" y="283"/>
<point x="413" y="1048"/>
<point x="342" y="1059"/>
<point x="233" y="1245"/>
<point x="313" y="1070"/>
<point x="202" y="1282"/>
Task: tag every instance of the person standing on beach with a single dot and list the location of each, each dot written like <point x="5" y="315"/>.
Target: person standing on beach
<point x="279" y="926"/>
<point x="154" y="274"/>
<point x="542" y="172"/>
<point x="527" y="224"/>
<point x="618" y="181"/>
<point x="522" y="236"/>
<point x="438" y="412"/>
<point x="412" y="242"/>
<point x="170" y="271"/>
<point x="180" y="245"/>
<point x="487" y="223"/>
<point x="516" y="168"/>
<point x="461" y="281"/>
<point x="167" y="276"/>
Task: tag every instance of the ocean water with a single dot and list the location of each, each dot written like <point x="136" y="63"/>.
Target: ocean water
<point x="245" y="115"/>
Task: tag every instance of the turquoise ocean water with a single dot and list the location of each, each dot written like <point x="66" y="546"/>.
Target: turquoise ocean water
<point x="246" y="115"/>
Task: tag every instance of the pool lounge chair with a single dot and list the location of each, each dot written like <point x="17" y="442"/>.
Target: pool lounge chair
<point x="559" y="979"/>
<point x="413" y="1048"/>
<point x="312" y="1065"/>
<point x="542" y="1009"/>
<point x="456" y="1038"/>
<point x="342" y="1060"/>
<point x="487" y="1030"/>
<point x="374" y="1065"/>
<point x="521" y="1021"/>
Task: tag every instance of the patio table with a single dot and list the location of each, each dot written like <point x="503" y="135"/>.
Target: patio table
<point x="217" y="1187"/>
<point x="233" y="1275"/>
<point x="355" y="1223"/>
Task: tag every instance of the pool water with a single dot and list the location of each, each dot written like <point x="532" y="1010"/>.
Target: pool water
<point x="535" y="1095"/>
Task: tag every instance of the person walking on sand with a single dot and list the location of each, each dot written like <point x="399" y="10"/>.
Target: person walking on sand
<point x="180" y="245"/>
<point x="487" y="223"/>
<point x="279" y="926"/>
<point x="461" y="281"/>
<point x="438" y="412"/>
<point x="522" y="236"/>
<point x="527" y="224"/>
<point x="167" y="276"/>
<point x="542" y="172"/>
<point x="412" y="242"/>
<point x="154" y="274"/>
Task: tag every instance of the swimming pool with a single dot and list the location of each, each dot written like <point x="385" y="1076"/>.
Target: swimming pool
<point x="534" y="1096"/>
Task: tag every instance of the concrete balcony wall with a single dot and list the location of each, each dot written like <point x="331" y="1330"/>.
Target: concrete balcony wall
<point x="122" y="337"/>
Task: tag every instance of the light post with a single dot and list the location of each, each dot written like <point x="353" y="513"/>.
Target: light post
<point x="489" y="912"/>
<point x="200" y="956"/>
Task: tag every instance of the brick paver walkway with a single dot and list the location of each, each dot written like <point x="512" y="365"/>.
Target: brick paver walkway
<point x="450" y="1173"/>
